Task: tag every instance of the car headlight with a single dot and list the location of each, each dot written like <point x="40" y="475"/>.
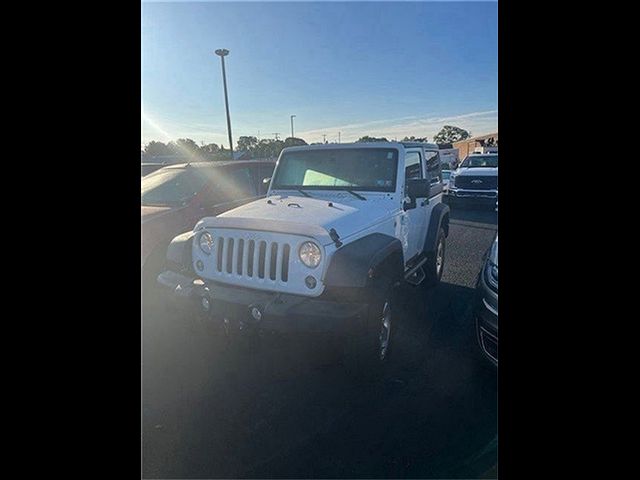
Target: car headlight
<point x="205" y="241"/>
<point x="310" y="254"/>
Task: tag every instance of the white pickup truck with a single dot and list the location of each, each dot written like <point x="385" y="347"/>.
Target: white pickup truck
<point x="475" y="180"/>
<point x="341" y="228"/>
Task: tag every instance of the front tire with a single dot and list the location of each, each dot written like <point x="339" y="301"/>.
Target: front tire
<point x="368" y="355"/>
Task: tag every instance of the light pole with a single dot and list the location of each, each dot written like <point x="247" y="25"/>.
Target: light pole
<point x="292" y="125"/>
<point x="223" y="52"/>
<point x="339" y="137"/>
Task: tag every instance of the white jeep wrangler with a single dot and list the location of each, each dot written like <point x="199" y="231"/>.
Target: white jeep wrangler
<point x="341" y="227"/>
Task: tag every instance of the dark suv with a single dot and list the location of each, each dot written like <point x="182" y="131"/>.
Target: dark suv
<point x="486" y="305"/>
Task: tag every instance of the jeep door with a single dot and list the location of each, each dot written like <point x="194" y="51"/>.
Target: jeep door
<point x="415" y="219"/>
<point x="434" y="173"/>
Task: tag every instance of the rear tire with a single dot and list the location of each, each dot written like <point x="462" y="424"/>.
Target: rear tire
<point x="435" y="261"/>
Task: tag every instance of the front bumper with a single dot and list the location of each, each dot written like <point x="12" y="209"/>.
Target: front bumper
<point x="244" y="309"/>
<point x="486" y="319"/>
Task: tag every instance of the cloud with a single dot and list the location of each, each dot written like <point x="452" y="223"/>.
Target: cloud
<point x="477" y="122"/>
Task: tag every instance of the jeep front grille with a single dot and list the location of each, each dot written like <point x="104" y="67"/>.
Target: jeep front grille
<point x="252" y="258"/>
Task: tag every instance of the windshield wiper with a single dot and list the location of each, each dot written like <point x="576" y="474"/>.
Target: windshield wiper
<point x="357" y="195"/>
<point x="304" y="193"/>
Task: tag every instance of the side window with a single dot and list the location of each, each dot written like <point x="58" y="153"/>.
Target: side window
<point x="412" y="165"/>
<point x="433" y="167"/>
<point x="238" y="184"/>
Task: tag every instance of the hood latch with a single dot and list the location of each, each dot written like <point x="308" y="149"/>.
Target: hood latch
<point x="335" y="237"/>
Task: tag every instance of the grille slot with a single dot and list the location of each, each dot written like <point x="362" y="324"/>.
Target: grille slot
<point x="262" y="250"/>
<point x="250" y="255"/>
<point x="273" y="261"/>
<point x="220" y="248"/>
<point x="240" y="257"/>
<point x="284" y="276"/>
<point x="229" y="257"/>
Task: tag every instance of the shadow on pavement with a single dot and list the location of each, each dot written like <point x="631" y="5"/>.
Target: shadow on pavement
<point x="281" y="413"/>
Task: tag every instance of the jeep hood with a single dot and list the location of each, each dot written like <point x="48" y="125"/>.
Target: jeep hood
<point x="305" y="216"/>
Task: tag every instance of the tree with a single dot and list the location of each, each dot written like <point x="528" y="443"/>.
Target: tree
<point x="209" y="151"/>
<point x="246" y="144"/>
<point x="154" y="148"/>
<point x="414" y="139"/>
<point x="268" y="148"/>
<point x="294" y="142"/>
<point x="184" y="146"/>
<point x="367" y="138"/>
<point x="450" y="134"/>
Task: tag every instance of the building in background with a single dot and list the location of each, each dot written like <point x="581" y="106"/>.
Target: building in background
<point x="466" y="147"/>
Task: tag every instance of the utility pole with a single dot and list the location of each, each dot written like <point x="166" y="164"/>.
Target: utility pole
<point x="276" y="135"/>
<point x="324" y="138"/>
<point x="292" y="116"/>
<point x="223" y="52"/>
<point x="338" y="137"/>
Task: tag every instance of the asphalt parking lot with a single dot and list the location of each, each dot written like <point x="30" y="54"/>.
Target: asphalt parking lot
<point x="210" y="412"/>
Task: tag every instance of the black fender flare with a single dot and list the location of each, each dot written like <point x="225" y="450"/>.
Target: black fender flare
<point x="179" y="253"/>
<point x="439" y="219"/>
<point x="356" y="264"/>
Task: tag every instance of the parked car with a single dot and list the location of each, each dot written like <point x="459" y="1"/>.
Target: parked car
<point x="449" y="155"/>
<point x="446" y="177"/>
<point x="486" y="305"/>
<point x="175" y="197"/>
<point x="475" y="180"/>
<point x="147" y="168"/>
<point x="343" y="226"/>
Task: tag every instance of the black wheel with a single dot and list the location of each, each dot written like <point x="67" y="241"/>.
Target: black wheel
<point x="435" y="261"/>
<point x="368" y="355"/>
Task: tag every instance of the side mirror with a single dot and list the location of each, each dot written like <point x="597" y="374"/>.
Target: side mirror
<point x="418" y="188"/>
<point x="264" y="186"/>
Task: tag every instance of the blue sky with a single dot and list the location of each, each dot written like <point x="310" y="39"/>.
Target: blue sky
<point x="381" y="68"/>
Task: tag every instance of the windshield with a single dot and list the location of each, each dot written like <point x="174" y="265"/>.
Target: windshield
<point x="364" y="169"/>
<point x="170" y="187"/>
<point x="480" y="161"/>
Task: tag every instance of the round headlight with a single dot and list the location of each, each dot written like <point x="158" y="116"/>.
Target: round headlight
<point x="310" y="254"/>
<point x="206" y="242"/>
